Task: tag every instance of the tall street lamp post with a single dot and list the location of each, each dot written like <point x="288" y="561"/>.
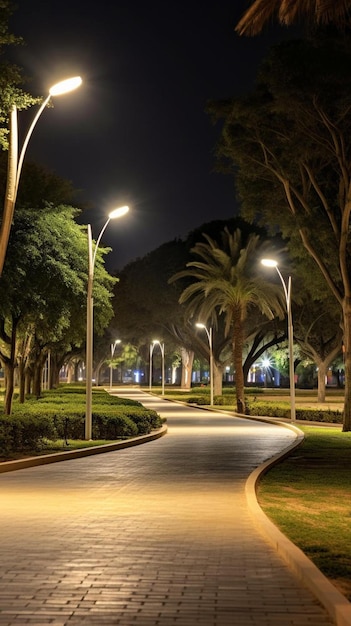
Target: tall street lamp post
<point x="113" y="348"/>
<point x="162" y="348"/>
<point x="287" y="293"/>
<point x="210" y="345"/>
<point x="90" y="319"/>
<point x="15" y="162"/>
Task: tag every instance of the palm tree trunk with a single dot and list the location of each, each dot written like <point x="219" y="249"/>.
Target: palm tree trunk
<point x="237" y="344"/>
<point x="217" y="378"/>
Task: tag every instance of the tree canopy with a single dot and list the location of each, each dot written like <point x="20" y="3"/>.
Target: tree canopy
<point x="288" y="145"/>
<point x="44" y="283"/>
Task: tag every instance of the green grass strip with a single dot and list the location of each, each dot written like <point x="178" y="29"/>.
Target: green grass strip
<point x="308" y="497"/>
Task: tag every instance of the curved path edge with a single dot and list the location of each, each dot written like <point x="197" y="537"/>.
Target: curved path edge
<point x="337" y="605"/>
<point x="45" y="459"/>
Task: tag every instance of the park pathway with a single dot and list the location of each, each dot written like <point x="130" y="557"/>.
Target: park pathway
<point x="157" y="534"/>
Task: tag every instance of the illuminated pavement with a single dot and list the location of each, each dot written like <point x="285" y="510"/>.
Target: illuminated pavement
<point x="158" y="534"/>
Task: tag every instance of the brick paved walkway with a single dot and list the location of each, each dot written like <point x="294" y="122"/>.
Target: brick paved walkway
<point x="153" y="535"/>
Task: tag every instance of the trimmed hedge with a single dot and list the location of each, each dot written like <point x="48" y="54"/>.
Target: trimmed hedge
<point x="270" y="409"/>
<point x="201" y="395"/>
<point x="201" y="400"/>
<point x="25" y="432"/>
<point x="282" y="409"/>
<point x="62" y="416"/>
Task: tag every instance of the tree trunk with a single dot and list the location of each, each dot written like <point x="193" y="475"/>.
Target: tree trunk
<point x="238" y="360"/>
<point x="21" y="378"/>
<point x="54" y="379"/>
<point x="71" y="373"/>
<point x="217" y="378"/>
<point x="38" y="371"/>
<point x="347" y="357"/>
<point x="10" y="371"/>
<point x="28" y="382"/>
<point x="10" y="386"/>
<point x="322" y="372"/>
<point x="187" y="367"/>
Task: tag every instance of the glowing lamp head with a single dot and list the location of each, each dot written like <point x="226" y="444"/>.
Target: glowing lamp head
<point x="118" y="212"/>
<point x="269" y="262"/>
<point x="65" y="86"/>
<point x="199" y="325"/>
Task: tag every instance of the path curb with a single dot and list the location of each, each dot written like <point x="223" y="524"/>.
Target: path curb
<point x="337" y="605"/>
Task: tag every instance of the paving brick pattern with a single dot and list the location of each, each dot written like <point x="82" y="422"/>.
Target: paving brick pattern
<point x="158" y="534"/>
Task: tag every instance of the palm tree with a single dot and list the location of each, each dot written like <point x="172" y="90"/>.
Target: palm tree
<point x="227" y="281"/>
<point x="319" y="12"/>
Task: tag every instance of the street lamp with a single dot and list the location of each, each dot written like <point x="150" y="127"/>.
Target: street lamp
<point x="210" y="344"/>
<point x="113" y="348"/>
<point x="15" y="163"/>
<point x="90" y="322"/>
<point x="287" y="293"/>
<point x="162" y="348"/>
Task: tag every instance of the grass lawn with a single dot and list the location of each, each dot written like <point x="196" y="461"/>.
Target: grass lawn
<point x="308" y="496"/>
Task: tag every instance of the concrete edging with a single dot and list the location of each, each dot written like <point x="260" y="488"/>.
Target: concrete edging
<point x="337" y="605"/>
<point x="45" y="459"/>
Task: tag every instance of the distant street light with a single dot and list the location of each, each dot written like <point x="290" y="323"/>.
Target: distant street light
<point x="15" y="163"/>
<point x="162" y="348"/>
<point x="287" y="293"/>
<point x="210" y="345"/>
<point x="90" y="319"/>
<point x="113" y="348"/>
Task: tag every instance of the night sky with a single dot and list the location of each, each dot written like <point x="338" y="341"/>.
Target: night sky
<point x="136" y="132"/>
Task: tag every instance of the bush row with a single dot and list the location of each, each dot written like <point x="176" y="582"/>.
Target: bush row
<point x="271" y="409"/>
<point x="276" y="409"/>
<point x="217" y="400"/>
<point x="33" y="422"/>
<point x="226" y="391"/>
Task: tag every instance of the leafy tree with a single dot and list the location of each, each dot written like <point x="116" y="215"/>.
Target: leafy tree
<point x="337" y="12"/>
<point x="43" y="286"/>
<point x="288" y="144"/>
<point x="319" y="336"/>
<point x="226" y="282"/>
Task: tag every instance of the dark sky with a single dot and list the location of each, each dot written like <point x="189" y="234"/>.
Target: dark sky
<point x="136" y="131"/>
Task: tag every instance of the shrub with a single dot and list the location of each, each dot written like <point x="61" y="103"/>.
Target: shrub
<point x="201" y="400"/>
<point x="113" y="427"/>
<point x="25" y="432"/>
<point x="224" y="399"/>
<point x="60" y="414"/>
<point x="5" y="440"/>
<point x="282" y="409"/>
